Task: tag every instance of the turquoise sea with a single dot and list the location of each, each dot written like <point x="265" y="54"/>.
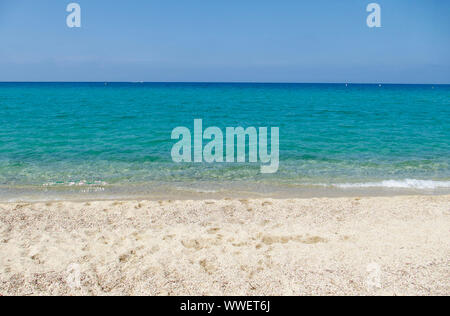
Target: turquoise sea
<point x="110" y="140"/>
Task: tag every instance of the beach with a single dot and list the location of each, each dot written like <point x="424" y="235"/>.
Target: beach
<point x="317" y="246"/>
<point x="224" y="149"/>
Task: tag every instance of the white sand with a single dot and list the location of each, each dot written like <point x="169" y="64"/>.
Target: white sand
<point x="349" y="246"/>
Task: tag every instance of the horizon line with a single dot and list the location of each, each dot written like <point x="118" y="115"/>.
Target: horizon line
<point x="231" y="82"/>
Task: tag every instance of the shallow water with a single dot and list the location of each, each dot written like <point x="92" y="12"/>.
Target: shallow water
<point x="96" y="140"/>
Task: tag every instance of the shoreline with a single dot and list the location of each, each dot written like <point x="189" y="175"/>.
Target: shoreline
<point x="314" y="246"/>
<point x="156" y="192"/>
<point x="219" y="198"/>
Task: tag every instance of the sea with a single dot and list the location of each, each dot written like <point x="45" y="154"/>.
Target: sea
<point x="83" y="141"/>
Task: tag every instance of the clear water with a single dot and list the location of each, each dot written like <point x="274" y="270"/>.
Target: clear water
<point x="108" y="140"/>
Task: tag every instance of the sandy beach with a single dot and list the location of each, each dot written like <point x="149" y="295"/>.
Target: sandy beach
<point x="340" y="246"/>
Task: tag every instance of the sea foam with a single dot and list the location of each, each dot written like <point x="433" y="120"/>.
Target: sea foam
<point x="398" y="184"/>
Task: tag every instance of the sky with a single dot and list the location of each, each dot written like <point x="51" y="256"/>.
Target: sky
<point x="226" y="41"/>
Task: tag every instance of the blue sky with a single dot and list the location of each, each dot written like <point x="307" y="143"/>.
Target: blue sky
<point x="226" y="41"/>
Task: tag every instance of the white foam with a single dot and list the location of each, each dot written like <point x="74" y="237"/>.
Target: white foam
<point x="398" y="184"/>
<point x="71" y="184"/>
<point x="195" y="190"/>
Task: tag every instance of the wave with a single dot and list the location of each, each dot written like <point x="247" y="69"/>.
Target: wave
<point x="73" y="183"/>
<point x="195" y="190"/>
<point x="398" y="184"/>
